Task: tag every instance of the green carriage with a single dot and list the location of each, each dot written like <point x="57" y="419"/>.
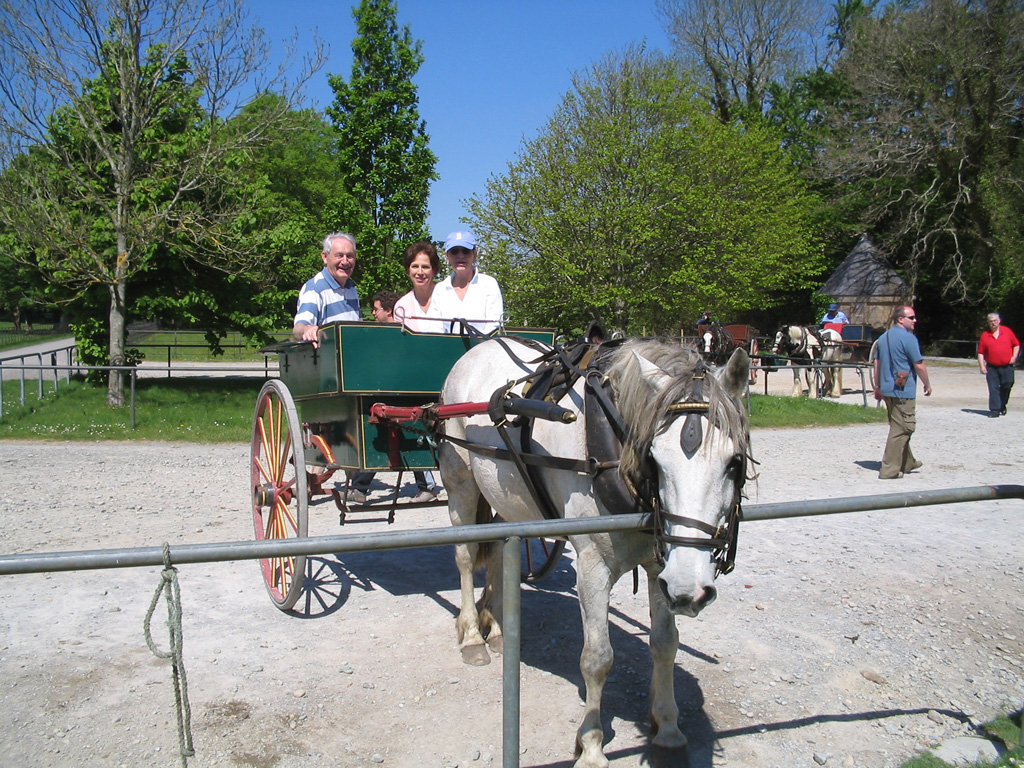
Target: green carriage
<point x="316" y="420"/>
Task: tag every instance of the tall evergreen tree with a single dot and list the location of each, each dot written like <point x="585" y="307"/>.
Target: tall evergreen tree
<point x="383" y="151"/>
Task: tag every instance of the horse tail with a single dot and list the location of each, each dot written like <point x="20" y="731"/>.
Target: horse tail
<point x="485" y="548"/>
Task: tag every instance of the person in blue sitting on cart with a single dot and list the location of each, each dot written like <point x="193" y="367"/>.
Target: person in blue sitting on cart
<point x="834" y="315"/>
<point x="330" y="295"/>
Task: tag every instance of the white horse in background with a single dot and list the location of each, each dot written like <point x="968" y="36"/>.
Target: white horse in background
<point x="685" y="454"/>
<point x="804" y="345"/>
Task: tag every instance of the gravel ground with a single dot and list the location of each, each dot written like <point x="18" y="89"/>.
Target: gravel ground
<point x="850" y="640"/>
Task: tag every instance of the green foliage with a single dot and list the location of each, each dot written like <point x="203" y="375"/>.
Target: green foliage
<point x="125" y="166"/>
<point x="925" y="147"/>
<point x="635" y="205"/>
<point x="384" y="157"/>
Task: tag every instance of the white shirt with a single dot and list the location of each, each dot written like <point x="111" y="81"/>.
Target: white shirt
<point x="482" y="303"/>
<point x="409" y="313"/>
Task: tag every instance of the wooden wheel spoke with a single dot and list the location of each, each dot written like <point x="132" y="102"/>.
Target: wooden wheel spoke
<point x="279" y="493"/>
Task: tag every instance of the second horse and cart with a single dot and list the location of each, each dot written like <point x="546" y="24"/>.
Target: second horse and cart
<point x="523" y="429"/>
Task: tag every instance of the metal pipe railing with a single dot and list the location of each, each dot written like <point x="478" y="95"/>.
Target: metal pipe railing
<point x="510" y="533"/>
<point x="365" y="542"/>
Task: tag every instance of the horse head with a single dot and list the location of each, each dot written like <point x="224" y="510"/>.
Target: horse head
<point x="780" y="337"/>
<point x="688" y="444"/>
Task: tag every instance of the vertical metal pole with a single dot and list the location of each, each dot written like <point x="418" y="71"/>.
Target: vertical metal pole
<point x="21" y="388"/>
<point x="39" y="381"/>
<point x="169" y="355"/>
<point x="133" y="397"/>
<point x="1" y="390"/>
<point x="512" y="603"/>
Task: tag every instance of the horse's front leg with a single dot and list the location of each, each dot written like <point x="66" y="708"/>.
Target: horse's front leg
<point x="837" y="382"/>
<point x="664" y="644"/>
<point x="594" y="585"/>
<point x="798" y="389"/>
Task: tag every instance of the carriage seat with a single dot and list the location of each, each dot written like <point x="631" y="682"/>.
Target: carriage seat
<point x="863" y="333"/>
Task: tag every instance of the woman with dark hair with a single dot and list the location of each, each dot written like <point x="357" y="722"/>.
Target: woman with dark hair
<point x="417" y="309"/>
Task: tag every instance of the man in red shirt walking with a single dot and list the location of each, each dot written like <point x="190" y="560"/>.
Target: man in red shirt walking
<point x="997" y="354"/>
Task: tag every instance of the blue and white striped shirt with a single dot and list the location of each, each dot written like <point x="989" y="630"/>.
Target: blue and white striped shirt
<point x="322" y="300"/>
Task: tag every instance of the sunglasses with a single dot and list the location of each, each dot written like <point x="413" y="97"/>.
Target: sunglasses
<point x="910" y="317"/>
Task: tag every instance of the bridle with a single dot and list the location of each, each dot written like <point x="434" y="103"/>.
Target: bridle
<point x="724" y="537"/>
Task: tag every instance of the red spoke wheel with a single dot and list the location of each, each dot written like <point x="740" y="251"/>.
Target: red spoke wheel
<point x="539" y="557"/>
<point x="279" y="497"/>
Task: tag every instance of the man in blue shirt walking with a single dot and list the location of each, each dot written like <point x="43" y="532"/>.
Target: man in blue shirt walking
<point x="898" y="366"/>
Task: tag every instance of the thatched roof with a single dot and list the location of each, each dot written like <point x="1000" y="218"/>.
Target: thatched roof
<point x="866" y="273"/>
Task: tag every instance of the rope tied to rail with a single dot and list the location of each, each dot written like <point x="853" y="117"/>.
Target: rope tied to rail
<point x="169" y="588"/>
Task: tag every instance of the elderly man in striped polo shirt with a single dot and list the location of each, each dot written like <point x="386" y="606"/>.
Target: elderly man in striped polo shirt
<point x="330" y="295"/>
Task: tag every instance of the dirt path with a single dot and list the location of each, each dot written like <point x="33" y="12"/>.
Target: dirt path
<point x="851" y="640"/>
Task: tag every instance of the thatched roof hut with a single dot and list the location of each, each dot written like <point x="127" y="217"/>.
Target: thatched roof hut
<point x="866" y="286"/>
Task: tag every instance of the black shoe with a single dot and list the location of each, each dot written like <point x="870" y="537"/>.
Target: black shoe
<point x="1002" y="412"/>
<point x="993" y="414"/>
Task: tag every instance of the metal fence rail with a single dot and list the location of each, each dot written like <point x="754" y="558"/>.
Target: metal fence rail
<point x="510" y="533"/>
<point x="131" y="370"/>
<point x="69" y="353"/>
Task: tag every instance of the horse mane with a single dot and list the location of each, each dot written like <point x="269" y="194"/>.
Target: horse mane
<point x="644" y="415"/>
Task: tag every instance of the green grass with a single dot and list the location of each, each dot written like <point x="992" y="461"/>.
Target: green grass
<point x="221" y="410"/>
<point x="199" y="410"/>
<point x="1002" y="729"/>
<point x="191" y="347"/>
<point x="774" y="411"/>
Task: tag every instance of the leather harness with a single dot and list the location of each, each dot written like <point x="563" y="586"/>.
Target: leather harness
<point x="558" y="371"/>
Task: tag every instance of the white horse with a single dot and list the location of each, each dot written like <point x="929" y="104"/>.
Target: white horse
<point x="803" y="345"/>
<point x="685" y="453"/>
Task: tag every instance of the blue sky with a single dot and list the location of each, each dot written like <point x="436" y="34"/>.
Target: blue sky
<point x="494" y="71"/>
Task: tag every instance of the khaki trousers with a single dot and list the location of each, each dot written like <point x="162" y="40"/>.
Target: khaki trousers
<point x="902" y="422"/>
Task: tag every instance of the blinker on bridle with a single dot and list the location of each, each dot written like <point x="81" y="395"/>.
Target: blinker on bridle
<point x="723" y="538"/>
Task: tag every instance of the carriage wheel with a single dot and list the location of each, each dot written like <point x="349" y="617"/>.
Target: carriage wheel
<point x="539" y="557"/>
<point x="279" y="500"/>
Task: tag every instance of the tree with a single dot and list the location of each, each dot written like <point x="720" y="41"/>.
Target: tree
<point x="22" y="291"/>
<point x="928" y="144"/>
<point x="384" y="155"/>
<point x="636" y="205"/>
<point x="291" y="194"/>
<point x="742" y="47"/>
<point x="126" y="104"/>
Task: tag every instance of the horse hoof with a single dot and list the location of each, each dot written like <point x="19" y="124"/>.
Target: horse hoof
<point x="476" y="656"/>
<point x="496" y="644"/>
<point x="667" y="740"/>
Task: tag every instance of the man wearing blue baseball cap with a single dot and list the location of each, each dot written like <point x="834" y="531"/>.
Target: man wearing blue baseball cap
<point x="834" y="315"/>
<point x="467" y="293"/>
